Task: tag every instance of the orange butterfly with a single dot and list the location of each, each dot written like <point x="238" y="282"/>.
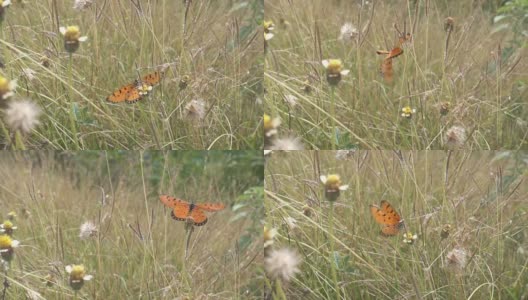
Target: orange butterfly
<point x="133" y="92"/>
<point x="387" y="216"/>
<point x="183" y="210"/>
<point x="386" y="65"/>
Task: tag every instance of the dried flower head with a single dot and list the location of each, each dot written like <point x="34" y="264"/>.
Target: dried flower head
<point x="456" y="259"/>
<point x="77" y="276"/>
<point x="88" y="229"/>
<point x="82" y="4"/>
<point x="291" y="100"/>
<point x="184" y="82"/>
<point x="445" y="107"/>
<point x="446" y="230"/>
<point x="407" y="112"/>
<point x="334" y="70"/>
<point x="455" y="137"/>
<point x="29" y="74"/>
<point x="332" y="186"/>
<point x="282" y="264"/>
<point x="307" y="86"/>
<point x="22" y="115"/>
<point x="348" y="32"/>
<point x="449" y="24"/>
<point x="344" y="154"/>
<point x="291" y="223"/>
<point x="72" y="38"/>
<point x="195" y="110"/>
<point x="287" y="143"/>
<point x="308" y="211"/>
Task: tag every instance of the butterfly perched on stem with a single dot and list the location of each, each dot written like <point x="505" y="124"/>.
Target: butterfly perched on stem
<point x="386" y="215"/>
<point x="184" y="211"/>
<point x="397" y="50"/>
<point x="135" y="91"/>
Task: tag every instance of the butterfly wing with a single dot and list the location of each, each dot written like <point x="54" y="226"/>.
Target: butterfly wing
<point x="386" y="69"/>
<point x="210" y="206"/>
<point x="171" y="202"/>
<point x="390" y="230"/>
<point x="180" y="208"/>
<point x="133" y="95"/>
<point x="121" y="94"/>
<point x="152" y="79"/>
<point x="395" y="52"/>
<point x="385" y="214"/>
<point x="180" y="211"/>
<point x="198" y="216"/>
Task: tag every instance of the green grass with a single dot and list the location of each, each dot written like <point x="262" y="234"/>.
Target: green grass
<point x="481" y="77"/>
<point x="216" y="46"/>
<point x="482" y="195"/>
<point x="138" y="251"/>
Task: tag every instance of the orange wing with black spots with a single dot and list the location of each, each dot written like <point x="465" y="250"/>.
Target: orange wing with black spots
<point x="386" y="215"/>
<point x="211" y="206"/>
<point x="128" y="93"/>
<point x="152" y="79"/>
<point x="183" y="210"/>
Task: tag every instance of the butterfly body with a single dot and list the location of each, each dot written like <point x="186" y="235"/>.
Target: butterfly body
<point x="386" y="215"/>
<point x="183" y="210"/>
<point x="135" y="91"/>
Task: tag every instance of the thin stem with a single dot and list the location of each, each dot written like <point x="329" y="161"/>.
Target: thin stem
<point x="333" y="116"/>
<point x="19" y="143"/>
<point x="331" y="256"/>
<point x="6" y="284"/>
<point x="278" y="290"/>
<point x="70" y="97"/>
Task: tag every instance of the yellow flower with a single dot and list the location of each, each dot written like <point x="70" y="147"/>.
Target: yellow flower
<point x="11" y="215"/>
<point x="407" y="112"/>
<point x="269" y="235"/>
<point x="77" y="276"/>
<point x="409" y="238"/>
<point x="332" y="186"/>
<point x="334" y="70"/>
<point x="7" y="245"/>
<point x="7" y="88"/>
<point x="72" y="38"/>
<point x="268" y="27"/>
<point x="270" y="125"/>
<point x="7" y="227"/>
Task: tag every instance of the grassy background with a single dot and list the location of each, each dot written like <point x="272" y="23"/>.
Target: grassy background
<point x="138" y="252"/>
<point x="486" y="88"/>
<point x="483" y="196"/>
<point x="221" y="52"/>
